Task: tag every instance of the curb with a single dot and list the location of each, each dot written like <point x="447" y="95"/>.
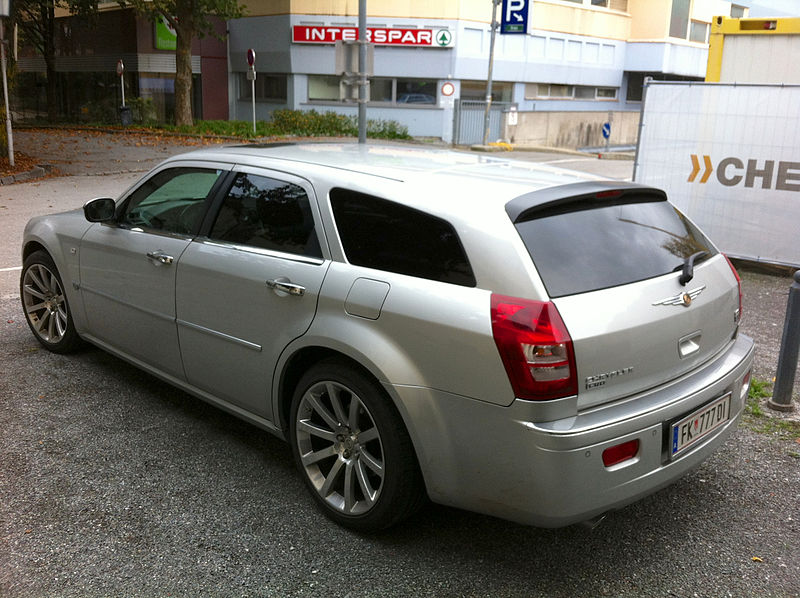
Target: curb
<point x="39" y="171"/>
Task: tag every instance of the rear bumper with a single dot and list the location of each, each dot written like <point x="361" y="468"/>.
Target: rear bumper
<point x="499" y="461"/>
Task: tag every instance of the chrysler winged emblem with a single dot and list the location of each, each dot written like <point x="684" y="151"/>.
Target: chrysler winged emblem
<point x="684" y="299"/>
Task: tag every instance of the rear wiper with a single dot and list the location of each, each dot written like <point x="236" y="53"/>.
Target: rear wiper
<point x="687" y="269"/>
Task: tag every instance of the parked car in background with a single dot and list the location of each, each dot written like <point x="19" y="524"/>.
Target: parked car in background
<point x="508" y="338"/>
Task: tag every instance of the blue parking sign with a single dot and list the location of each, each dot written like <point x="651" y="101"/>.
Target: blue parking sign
<point x="515" y="16"/>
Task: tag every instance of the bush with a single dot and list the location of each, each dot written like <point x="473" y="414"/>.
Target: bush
<point x="143" y="111"/>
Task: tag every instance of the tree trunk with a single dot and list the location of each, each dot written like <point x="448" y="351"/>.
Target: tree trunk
<point x="183" y="72"/>
<point x="49" y="42"/>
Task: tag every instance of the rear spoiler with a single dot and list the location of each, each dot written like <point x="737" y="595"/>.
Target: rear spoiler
<point x="579" y="196"/>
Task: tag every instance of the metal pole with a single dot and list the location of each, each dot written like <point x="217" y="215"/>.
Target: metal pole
<point x="790" y="346"/>
<point x="253" y="95"/>
<point x="489" y="77"/>
<point x="122" y="86"/>
<point x="647" y="82"/>
<point x="362" y="71"/>
<point x="9" y="133"/>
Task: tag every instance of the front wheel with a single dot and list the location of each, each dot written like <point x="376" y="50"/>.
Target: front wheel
<point x="352" y="449"/>
<point x="45" y="304"/>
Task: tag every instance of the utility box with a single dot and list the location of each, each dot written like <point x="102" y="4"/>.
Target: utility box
<point x="125" y="116"/>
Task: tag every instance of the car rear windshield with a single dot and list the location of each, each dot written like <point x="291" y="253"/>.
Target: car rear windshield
<point x="580" y="247"/>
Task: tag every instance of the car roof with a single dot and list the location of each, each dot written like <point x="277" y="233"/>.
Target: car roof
<point x="412" y="166"/>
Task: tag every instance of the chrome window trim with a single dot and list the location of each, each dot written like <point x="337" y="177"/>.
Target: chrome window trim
<point x="292" y="257"/>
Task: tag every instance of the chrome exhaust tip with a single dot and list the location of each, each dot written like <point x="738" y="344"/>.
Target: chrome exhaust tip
<point x="594" y="521"/>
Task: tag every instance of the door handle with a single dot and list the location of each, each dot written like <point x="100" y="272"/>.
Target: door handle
<point x="160" y="256"/>
<point x="284" y="285"/>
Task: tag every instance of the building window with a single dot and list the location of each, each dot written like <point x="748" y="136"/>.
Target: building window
<point x="553" y="91"/>
<point x="737" y="12"/>
<point x="698" y="32"/>
<point x="612" y="4"/>
<point x="416" y="91"/>
<point x="269" y="88"/>
<point x="324" y="88"/>
<point x="476" y="90"/>
<point x="679" y="20"/>
<point x="381" y="90"/>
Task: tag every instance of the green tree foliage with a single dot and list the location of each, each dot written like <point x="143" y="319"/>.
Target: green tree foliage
<point x="190" y="19"/>
<point x="36" y="20"/>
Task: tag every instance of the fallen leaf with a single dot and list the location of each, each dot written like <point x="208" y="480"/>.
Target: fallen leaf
<point x="757" y="560"/>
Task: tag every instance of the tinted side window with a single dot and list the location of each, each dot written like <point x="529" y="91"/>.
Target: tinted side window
<point x="387" y="236"/>
<point x="267" y="213"/>
<point x="172" y="201"/>
<point x="582" y="250"/>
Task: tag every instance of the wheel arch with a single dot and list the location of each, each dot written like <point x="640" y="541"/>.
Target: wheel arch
<point x="32" y="247"/>
<point x="297" y="360"/>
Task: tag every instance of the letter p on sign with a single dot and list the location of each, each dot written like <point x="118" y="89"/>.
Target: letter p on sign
<point x="513" y="6"/>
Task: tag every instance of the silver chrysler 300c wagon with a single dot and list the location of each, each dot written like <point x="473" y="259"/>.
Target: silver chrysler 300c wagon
<point x="503" y="337"/>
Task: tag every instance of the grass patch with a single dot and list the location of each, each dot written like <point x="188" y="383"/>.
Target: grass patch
<point x="756" y="418"/>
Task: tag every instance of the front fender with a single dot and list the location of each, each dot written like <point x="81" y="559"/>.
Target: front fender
<point x="59" y="235"/>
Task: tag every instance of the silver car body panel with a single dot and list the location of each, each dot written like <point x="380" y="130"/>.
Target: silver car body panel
<point x="229" y="336"/>
<point x="638" y="345"/>
<point x="502" y="461"/>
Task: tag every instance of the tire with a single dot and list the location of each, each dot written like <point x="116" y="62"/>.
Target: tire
<point x="45" y="304"/>
<point x="352" y="449"/>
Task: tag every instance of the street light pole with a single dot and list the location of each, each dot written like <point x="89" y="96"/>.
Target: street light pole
<point x="489" y="77"/>
<point x="362" y="71"/>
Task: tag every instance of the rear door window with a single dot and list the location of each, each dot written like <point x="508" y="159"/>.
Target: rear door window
<point x="578" y="249"/>
<point x="267" y="213"/>
<point x="385" y="235"/>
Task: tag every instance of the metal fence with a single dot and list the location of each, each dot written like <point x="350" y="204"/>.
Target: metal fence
<point x="469" y="121"/>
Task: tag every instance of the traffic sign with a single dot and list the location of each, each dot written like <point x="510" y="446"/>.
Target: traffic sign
<point x="120" y="68"/>
<point x="448" y="89"/>
<point x="251" y="57"/>
<point x="606" y="130"/>
<point x="515" y="16"/>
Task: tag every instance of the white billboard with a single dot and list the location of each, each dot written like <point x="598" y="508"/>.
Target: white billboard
<point x="729" y="157"/>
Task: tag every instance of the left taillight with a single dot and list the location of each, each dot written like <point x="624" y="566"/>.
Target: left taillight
<point x="738" y="315"/>
<point x="535" y="348"/>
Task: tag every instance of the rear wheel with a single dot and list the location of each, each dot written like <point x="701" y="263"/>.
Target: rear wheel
<point x="45" y="304"/>
<point x="352" y="448"/>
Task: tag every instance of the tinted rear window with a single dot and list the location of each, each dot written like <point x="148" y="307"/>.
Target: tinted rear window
<point x="581" y="250"/>
<point x="385" y="235"/>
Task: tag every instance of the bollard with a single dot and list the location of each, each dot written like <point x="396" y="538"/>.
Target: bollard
<point x="790" y="345"/>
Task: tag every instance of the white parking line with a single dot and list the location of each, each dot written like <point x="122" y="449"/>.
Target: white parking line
<point x="11" y="269"/>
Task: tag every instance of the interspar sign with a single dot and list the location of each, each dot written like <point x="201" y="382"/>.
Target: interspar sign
<point x="381" y="36"/>
<point x="729" y="157"/>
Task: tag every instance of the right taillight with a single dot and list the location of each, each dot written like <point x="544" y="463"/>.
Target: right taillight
<point x="738" y="315"/>
<point x="535" y="348"/>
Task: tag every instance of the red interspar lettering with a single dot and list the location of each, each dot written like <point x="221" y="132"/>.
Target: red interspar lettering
<point x="308" y="34"/>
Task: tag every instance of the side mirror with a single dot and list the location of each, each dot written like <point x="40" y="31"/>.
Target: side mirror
<point x="100" y="209"/>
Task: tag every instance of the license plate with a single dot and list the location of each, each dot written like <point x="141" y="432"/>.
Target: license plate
<point x="695" y="426"/>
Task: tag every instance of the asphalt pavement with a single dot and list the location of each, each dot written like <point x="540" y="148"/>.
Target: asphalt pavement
<point x="113" y="483"/>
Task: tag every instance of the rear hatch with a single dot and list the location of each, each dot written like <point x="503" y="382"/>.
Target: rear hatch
<point x="645" y="296"/>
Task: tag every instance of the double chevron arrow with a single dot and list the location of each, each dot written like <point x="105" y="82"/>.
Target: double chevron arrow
<point x="696" y="169"/>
